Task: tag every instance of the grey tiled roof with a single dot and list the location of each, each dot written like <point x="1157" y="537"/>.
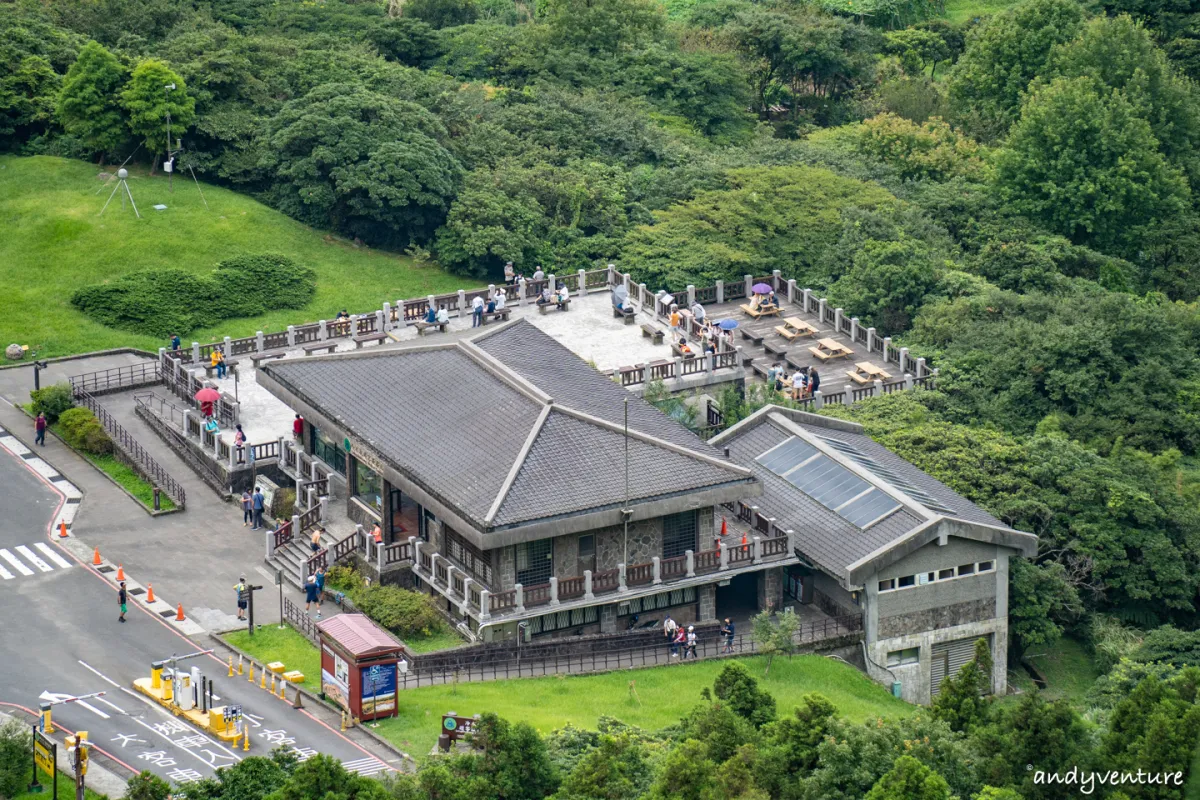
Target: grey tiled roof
<point x="443" y="419"/>
<point x="558" y="372"/>
<point x="825" y="537"/>
<point x="571" y="452"/>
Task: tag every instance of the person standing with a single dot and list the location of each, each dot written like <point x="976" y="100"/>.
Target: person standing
<point x="240" y="588"/>
<point x="814" y="381"/>
<point x="477" y="312"/>
<point x="509" y="273"/>
<point x="320" y="576"/>
<point x="691" y="643"/>
<point x="39" y="425"/>
<point x="122" y="599"/>
<point x="175" y="343"/>
<point x="798" y="381"/>
<point x="728" y="632"/>
<point x="298" y="428"/>
<point x="669" y="628"/>
<point x="315" y="541"/>
<point x="674" y="320"/>
<point x="258" y="501"/>
<point x="310" y="594"/>
<point x="247" y="508"/>
<point x="679" y="643"/>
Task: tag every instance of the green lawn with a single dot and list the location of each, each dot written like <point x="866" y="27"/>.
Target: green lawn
<point x="271" y="643"/>
<point x="959" y="11"/>
<point x="439" y="641"/>
<point x="66" y="788"/>
<point x="129" y="480"/>
<point x="663" y="695"/>
<point x="1069" y="670"/>
<point x="54" y="242"/>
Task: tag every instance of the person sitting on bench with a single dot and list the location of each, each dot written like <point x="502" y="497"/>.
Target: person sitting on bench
<point x="343" y="314"/>
<point x="684" y="348"/>
<point x="431" y="315"/>
<point x="218" y="362"/>
<point x="501" y="297"/>
<point x="544" y="298"/>
<point x="443" y="316"/>
<point x="563" y="296"/>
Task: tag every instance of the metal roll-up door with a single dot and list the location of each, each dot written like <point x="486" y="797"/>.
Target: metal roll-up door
<point x="948" y="659"/>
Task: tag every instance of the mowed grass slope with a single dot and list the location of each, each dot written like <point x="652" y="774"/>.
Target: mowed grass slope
<point x="53" y="242"/>
<point x="660" y="697"/>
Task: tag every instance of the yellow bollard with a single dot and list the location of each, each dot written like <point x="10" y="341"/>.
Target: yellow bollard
<point x="282" y="683"/>
<point x="240" y="670"/>
<point x="263" y="683"/>
<point x="231" y="666"/>
<point x="48" y="726"/>
<point x="343" y="720"/>
<point x="246" y="741"/>
<point x="251" y="678"/>
<point x="272" y="683"/>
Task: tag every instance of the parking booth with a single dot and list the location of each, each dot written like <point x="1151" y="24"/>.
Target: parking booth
<point x="359" y="661"/>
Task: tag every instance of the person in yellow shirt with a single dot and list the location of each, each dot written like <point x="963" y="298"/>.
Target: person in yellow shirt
<point x="218" y="361"/>
<point x="675" y="321"/>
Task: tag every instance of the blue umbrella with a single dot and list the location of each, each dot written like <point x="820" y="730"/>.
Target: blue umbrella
<point x="762" y="288"/>
<point x="727" y="324"/>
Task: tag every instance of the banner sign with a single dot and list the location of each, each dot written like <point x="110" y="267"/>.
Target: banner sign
<point x="44" y="752"/>
<point x="378" y="689"/>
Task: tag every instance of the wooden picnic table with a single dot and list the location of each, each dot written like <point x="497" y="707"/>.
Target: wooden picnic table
<point x="827" y="349"/>
<point x="760" y="311"/>
<point x="865" y="372"/>
<point x="794" y="327"/>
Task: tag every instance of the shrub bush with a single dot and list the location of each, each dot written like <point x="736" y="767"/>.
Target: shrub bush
<point x="52" y="401"/>
<point x="161" y="302"/>
<point x="403" y="612"/>
<point x="80" y="429"/>
<point x="283" y="504"/>
<point x="14" y="758"/>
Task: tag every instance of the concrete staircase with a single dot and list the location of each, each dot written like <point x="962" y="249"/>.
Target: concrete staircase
<point x="292" y="556"/>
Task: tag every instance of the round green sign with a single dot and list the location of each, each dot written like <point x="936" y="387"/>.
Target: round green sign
<point x="450" y="723"/>
<point x="346" y="443"/>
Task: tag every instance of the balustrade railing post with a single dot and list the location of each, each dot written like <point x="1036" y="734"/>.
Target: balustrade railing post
<point x="877" y="388"/>
<point x="776" y="279"/>
<point x="908" y="380"/>
<point x="657" y="562"/>
<point x="818" y="399"/>
<point x="553" y="591"/>
<point x="903" y="362"/>
<point x="791" y="543"/>
<point x="324" y="513"/>
<point x="466" y="598"/>
<point x="887" y="344"/>
<point x="870" y="340"/>
<point x="269" y="538"/>
<point x="757" y="550"/>
<point x="296" y="526"/>
<point x="723" y="549"/>
<point x="587" y="585"/>
<point x="691" y="563"/>
<point x="519" y="597"/>
<point x="807" y="294"/>
<point x="749" y="281"/>
<point x="691" y="295"/>
<point x="387" y="317"/>
<point x="485" y="604"/>
<point x="323" y="328"/>
<point x="186" y="413"/>
<point x="853" y="329"/>
<point x="621" y="587"/>
<point x="416" y="544"/>
<point x="720" y="292"/>
<point x="921" y="367"/>
<point x="195" y="353"/>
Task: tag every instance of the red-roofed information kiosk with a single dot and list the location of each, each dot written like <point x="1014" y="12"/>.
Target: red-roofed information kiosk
<point x="358" y="666"/>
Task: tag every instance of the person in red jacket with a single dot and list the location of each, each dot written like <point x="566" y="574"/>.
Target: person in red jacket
<point x="298" y="428"/>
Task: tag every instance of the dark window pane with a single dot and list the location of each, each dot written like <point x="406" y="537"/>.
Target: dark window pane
<point x="679" y="534"/>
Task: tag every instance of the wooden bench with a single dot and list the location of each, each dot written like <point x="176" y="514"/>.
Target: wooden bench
<point x="655" y="335"/>
<point x="499" y="314"/>
<point x="751" y="336"/>
<point x="422" y="326"/>
<point x="774" y="349"/>
<point x="675" y="349"/>
<point x="865" y="373"/>
<point x="626" y="314"/>
<point x="363" y="338"/>
<point x="317" y="347"/>
<point x="563" y="306"/>
<point x="761" y="369"/>
<point x="230" y="365"/>
<point x="257" y="358"/>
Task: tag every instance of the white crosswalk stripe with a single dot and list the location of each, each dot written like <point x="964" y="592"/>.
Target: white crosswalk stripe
<point x="53" y="556"/>
<point x="28" y="561"/>
<point x="32" y="559"/>
<point x="16" y="562"/>
<point x="366" y="766"/>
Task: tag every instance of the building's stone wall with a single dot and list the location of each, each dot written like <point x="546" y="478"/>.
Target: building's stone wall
<point x="645" y="542"/>
<point x="770" y="588"/>
<point x="608" y="618"/>
<point x="566" y="556"/>
<point x="707" y="595"/>
<point x="934" y="619"/>
<point x="915" y="679"/>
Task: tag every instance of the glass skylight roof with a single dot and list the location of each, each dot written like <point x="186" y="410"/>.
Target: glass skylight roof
<point x="864" y="460"/>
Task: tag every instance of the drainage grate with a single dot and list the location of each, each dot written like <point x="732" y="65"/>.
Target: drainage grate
<point x="105" y="568"/>
<point x="167" y="613"/>
<point x="136" y="592"/>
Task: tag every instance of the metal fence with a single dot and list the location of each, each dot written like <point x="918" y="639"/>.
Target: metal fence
<point x="131" y="448"/>
<point x="103" y="381"/>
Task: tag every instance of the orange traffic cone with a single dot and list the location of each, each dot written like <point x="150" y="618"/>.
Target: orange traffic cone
<point x="150" y="593"/>
<point x="743" y="540"/>
<point x="724" y="527"/>
<point x="120" y="572"/>
<point x="179" y="614"/>
<point x="96" y="556"/>
<point x="62" y="529"/>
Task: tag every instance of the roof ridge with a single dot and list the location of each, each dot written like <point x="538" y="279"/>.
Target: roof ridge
<point x="657" y="442"/>
<point x="518" y="462"/>
<point x="502" y="371"/>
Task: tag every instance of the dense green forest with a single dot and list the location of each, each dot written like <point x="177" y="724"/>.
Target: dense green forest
<point x="1013" y="197"/>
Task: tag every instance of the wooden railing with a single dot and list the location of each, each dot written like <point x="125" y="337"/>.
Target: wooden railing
<point x="708" y="560"/>
<point x="606" y="581"/>
<point x="670" y="568"/>
<point x="570" y="587"/>
<point x="537" y="595"/>
<point x="639" y="574"/>
<point x="282" y="535"/>
<point x="502" y="601"/>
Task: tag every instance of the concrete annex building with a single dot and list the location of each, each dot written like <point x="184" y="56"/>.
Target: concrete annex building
<point x="500" y="457"/>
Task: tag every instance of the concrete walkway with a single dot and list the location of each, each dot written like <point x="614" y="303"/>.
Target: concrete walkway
<point x="193" y="557"/>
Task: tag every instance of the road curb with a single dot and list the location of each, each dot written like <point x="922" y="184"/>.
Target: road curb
<point x="409" y="763"/>
<point x="82" y="551"/>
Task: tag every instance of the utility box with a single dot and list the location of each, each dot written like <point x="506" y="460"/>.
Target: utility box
<point x="359" y="665"/>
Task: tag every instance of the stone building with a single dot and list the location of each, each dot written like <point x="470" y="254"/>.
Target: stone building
<point x="502" y="465"/>
<point x="927" y="569"/>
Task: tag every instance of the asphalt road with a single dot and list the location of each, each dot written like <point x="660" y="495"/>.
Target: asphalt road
<point x="60" y="637"/>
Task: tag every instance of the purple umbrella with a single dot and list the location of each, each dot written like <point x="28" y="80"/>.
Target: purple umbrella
<point x="727" y="324"/>
<point x="762" y="288"/>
